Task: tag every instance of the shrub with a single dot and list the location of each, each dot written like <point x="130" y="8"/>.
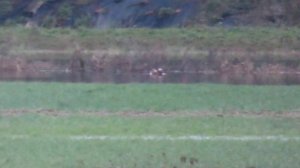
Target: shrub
<point x="166" y="11"/>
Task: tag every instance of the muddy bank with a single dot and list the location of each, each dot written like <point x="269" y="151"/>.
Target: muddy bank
<point x="123" y="69"/>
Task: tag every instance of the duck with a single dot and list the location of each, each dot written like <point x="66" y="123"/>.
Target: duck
<point x="157" y="73"/>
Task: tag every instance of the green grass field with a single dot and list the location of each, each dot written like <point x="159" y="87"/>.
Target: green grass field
<point x="150" y="97"/>
<point x="47" y="141"/>
<point x="131" y="125"/>
<point x="42" y="152"/>
<point x="38" y="123"/>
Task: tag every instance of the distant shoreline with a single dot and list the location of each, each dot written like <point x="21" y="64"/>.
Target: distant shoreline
<point x="200" y="49"/>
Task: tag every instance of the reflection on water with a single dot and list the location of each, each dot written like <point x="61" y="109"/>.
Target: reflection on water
<point x="171" y="77"/>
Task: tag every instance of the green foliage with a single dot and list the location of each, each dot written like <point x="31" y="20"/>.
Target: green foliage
<point x="204" y="38"/>
<point x="293" y="12"/>
<point x="211" y="12"/>
<point x="49" y="22"/>
<point x="245" y="5"/>
<point x="81" y="2"/>
<point x="5" y="7"/>
<point x="255" y="12"/>
<point x="83" y="21"/>
<point x="166" y="11"/>
<point x="63" y="14"/>
<point x="65" y="10"/>
<point x="60" y="18"/>
<point x="213" y="6"/>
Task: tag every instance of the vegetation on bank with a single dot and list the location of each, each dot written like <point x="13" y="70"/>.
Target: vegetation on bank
<point x="249" y="42"/>
<point x="263" y="38"/>
<point x="154" y="13"/>
<point x="149" y="97"/>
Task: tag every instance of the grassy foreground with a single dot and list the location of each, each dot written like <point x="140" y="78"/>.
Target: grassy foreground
<point x="148" y="97"/>
<point x="47" y="142"/>
<point x="38" y="121"/>
<point x="69" y="154"/>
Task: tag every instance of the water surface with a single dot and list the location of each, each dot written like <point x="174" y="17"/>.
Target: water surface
<point x="143" y="77"/>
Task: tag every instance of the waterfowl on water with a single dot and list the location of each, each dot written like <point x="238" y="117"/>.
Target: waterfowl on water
<point x="157" y="72"/>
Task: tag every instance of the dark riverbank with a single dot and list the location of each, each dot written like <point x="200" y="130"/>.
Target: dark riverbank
<point x="148" y="13"/>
